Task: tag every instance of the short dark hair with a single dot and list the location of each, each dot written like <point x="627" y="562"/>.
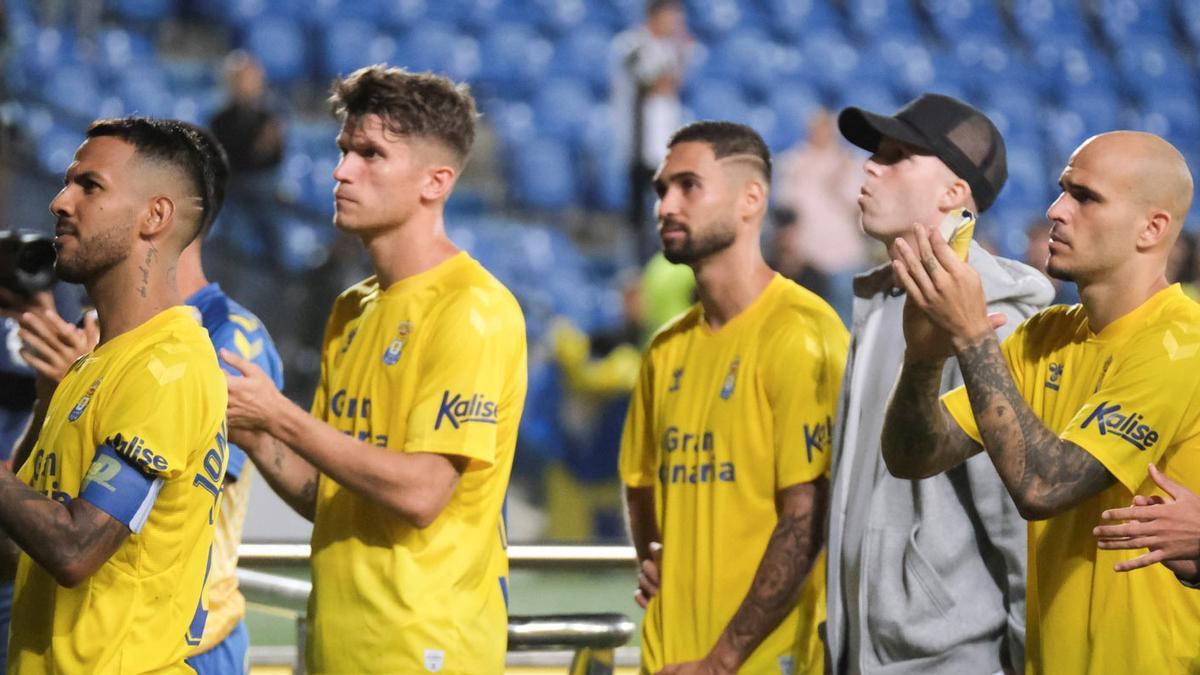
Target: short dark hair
<point x="169" y="142"/>
<point x="655" y="6"/>
<point x="420" y="105"/>
<point x="726" y="140"/>
<point x="216" y="174"/>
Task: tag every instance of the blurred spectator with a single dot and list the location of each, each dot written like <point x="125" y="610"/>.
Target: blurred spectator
<point x="819" y="180"/>
<point x="668" y="290"/>
<point x="785" y="256"/>
<point x="1181" y="265"/>
<point x="582" y="491"/>
<point x="647" y="71"/>
<point x="253" y="135"/>
<point x="1037" y="252"/>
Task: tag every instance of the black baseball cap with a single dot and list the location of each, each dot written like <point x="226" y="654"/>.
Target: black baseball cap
<point x="956" y="133"/>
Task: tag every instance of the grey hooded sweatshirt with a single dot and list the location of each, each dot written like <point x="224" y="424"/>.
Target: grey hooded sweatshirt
<point x="924" y="576"/>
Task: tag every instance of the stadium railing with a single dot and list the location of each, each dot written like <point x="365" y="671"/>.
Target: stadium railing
<point x="592" y="637"/>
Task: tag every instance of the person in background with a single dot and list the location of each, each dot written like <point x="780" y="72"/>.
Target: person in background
<point x="649" y="63"/>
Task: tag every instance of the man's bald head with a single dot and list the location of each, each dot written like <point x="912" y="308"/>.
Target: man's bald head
<point x="1145" y="168"/>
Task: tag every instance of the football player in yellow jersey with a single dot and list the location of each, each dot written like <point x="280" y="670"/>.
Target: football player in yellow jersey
<point x="1074" y="404"/>
<point x="131" y="442"/>
<point x="727" y="440"/>
<point x="404" y="461"/>
<point x="224" y="647"/>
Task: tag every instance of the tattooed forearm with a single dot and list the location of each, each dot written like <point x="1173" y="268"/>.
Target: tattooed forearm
<point x="1044" y="474"/>
<point x="288" y="474"/>
<point x="70" y="541"/>
<point x="918" y="440"/>
<point x="794" y="545"/>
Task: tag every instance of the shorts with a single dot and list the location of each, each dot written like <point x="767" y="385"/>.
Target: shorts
<point x="231" y="655"/>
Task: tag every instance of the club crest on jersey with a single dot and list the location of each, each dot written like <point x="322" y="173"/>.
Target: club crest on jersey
<point x="1128" y="427"/>
<point x="730" y="380"/>
<point x="396" y="348"/>
<point x="83" y="402"/>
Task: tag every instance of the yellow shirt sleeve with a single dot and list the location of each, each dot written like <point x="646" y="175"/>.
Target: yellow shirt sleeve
<point x="148" y="416"/>
<point x="458" y="403"/>
<point x="802" y="374"/>
<point x="638" y="458"/>
<point x="1139" y="410"/>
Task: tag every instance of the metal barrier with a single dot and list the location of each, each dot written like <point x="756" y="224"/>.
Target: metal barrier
<point x="592" y="637"/>
<point x="519" y="557"/>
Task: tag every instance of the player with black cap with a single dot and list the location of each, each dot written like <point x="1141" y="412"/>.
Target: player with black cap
<point x="923" y="576"/>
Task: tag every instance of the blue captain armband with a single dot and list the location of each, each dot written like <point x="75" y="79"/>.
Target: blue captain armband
<point x="119" y="488"/>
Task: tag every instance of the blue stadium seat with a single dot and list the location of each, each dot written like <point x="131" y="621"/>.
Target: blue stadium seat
<point x="1064" y="130"/>
<point x="543" y="175"/>
<point x="909" y="65"/>
<point x="118" y="48"/>
<point x="438" y="47"/>
<point x="837" y="56"/>
<point x="1174" y="114"/>
<point x="1028" y="184"/>
<point x="1047" y="21"/>
<point x="74" y="91"/>
<point x="583" y="54"/>
<point x="953" y="19"/>
<point x="305" y="244"/>
<point x="607" y="167"/>
<point x="47" y="50"/>
<point x="280" y="45"/>
<point x="1073" y="62"/>
<point x="794" y="20"/>
<point x="349" y="44"/>
<point x="560" y="16"/>
<point x="512" y="121"/>
<point x="514" y="58"/>
<point x="714" y="99"/>
<point x="876" y="18"/>
<point x="793" y="106"/>
<point x="712" y="19"/>
<point x="747" y="56"/>
<point x="1098" y="107"/>
<point x="1122" y="20"/>
<point x="142" y="11"/>
<point x="1151" y="65"/>
<point x="561" y="107"/>
<point x="145" y="91"/>
<point x="56" y="148"/>
<point x="1187" y="17"/>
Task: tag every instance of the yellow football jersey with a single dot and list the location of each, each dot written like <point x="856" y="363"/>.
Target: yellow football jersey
<point x="137" y="429"/>
<point x="1127" y="395"/>
<point x="434" y="363"/>
<point x="719" y="423"/>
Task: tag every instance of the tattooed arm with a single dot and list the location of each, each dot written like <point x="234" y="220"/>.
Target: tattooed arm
<point x="288" y="474"/>
<point x="791" y="551"/>
<point x="919" y="437"/>
<point x="69" y="541"/>
<point x="1045" y="474"/>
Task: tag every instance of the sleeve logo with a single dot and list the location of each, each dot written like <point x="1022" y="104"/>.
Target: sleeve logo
<point x="1127" y="427"/>
<point x="82" y="405"/>
<point x="458" y="410"/>
<point x="818" y="437"/>
<point x="136" y="453"/>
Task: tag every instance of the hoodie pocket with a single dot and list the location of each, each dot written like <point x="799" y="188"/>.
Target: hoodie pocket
<point x="907" y="603"/>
